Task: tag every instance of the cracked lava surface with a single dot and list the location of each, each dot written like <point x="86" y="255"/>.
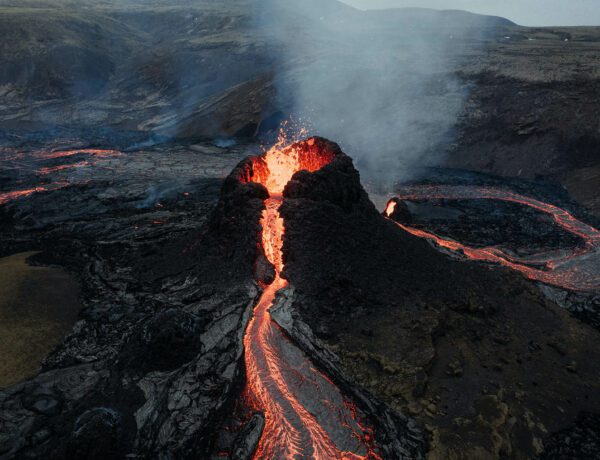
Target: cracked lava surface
<point x="306" y="415"/>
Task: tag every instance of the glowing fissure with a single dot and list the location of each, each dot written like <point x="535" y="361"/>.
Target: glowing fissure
<point x="53" y="169"/>
<point x="578" y="270"/>
<point x="10" y="155"/>
<point x="6" y="197"/>
<point x="101" y="153"/>
<point x="302" y="407"/>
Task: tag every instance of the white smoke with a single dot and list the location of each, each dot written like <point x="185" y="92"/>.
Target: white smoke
<point x="381" y="84"/>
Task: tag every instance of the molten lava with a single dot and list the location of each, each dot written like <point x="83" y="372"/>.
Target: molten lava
<point x="5" y="197"/>
<point x="578" y="270"/>
<point x="306" y="415"/>
<point x="23" y="161"/>
<point x="53" y="169"/>
<point x="390" y="208"/>
<point x="101" y="153"/>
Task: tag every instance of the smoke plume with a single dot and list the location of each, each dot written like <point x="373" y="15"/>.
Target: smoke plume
<point x="383" y="84"/>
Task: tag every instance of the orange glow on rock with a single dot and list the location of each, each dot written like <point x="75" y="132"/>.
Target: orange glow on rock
<point x="101" y="153"/>
<point x="53" y="169"/>
<point x="6" y="197"/>
<point x="282" y="162"/>
<point x="390" y="208"/>
<point x="575" y="271"/>
<point x="291" y="429"/>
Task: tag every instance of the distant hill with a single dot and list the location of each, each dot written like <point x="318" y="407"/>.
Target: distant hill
<point x="428" y="17"/>
<point x="159" y="64"/>
<point x="407" y="83"/>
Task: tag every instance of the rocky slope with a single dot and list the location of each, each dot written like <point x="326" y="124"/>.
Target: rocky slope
<point x="533" y="112"/>
<point x="474" y="353"/>
<point x="167" y="288"/>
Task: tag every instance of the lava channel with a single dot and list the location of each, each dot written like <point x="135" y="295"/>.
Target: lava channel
<point x="99" y="153"/>
<point x="306" y="415"/>
<point x="43" y="155"/>
<point x="577" y="271"/>
<point x="12" y="195"/>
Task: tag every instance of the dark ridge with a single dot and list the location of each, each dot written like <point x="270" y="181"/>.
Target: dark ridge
<point x="427" y="17"/>
<point x="411" y="324"/>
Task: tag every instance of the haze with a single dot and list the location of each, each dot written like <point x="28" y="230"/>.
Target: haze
<point x="524" y="12"/>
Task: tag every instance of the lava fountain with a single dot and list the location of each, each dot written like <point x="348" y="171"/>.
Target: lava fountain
<point x="577" y="271"/>
<point x="306" y="415"/>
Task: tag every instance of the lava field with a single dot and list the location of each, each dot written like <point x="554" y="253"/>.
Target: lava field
<point x="260" y="306"/>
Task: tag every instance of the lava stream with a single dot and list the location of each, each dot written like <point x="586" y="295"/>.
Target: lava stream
<point x="25" y="161"/>
<point x="306" y="416"/>
<point x="5" y="197"/>
<point x="100" y="153"/>
<point x="578" y="271"/>
<point x="53" y="169"/>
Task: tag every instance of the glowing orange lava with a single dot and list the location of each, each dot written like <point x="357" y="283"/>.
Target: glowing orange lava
<point x="22" y="159"/>
<point x="279" y="375"/>
<point x="5" y="197"/>
<point x="53" y="169"/>
<point x="103" y="153"/>
<point x="390" y="208"/>
<point x="578" y="270"/>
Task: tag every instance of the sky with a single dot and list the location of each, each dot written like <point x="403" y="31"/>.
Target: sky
<point x="524" y="12"/>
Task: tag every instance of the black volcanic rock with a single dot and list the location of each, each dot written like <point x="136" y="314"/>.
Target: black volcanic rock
<point x="97" y="435"/>
<point x="247" y="441"/>
<point x="461" y="346"/>
<point x="581" y="441"/>
<point x="156" y="358"/>
<point x="337" y="183"/>
<point x="356" y="247"/>
<point x="167" y="341"/>
<point x="153" y="366"/>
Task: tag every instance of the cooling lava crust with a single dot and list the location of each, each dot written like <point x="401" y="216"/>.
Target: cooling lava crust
<point x="473" y="351"/>
<point x="405" y="338"/>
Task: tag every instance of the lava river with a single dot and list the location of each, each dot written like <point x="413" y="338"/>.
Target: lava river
<point x="577" y="270"/>
<point x="306" y="415"/>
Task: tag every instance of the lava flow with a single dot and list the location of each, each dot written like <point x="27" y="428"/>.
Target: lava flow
<point x="99" y="153"/>
<point x="53" y="169"/>
<point x="578" y="271"/>
<point x="25" y="161"/>
<point x="306" y="416"/>
<point x="5" y="197"/>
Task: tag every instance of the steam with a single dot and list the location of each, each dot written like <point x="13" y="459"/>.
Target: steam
<point x="381" y="84"/>
<point x="157" y="192"/>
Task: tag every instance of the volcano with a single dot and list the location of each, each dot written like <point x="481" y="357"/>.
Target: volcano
<point x="282" y="382"/>
<point x="283" y="315"/>
<point x="273" y="367"/>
